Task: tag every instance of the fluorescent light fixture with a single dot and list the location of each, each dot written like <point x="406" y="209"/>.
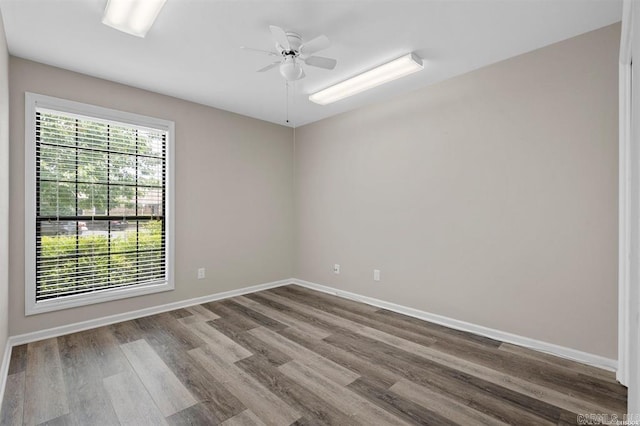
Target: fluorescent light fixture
<point x="133" y="17"/>
<point x="400" y="67"/>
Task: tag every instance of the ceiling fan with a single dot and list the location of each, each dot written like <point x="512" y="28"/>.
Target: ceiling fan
<point x="294" y="51"/>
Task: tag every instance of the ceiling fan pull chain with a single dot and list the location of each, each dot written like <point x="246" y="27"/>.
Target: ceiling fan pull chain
<point x="293" y="104"/>
<point x="286" y="84"/>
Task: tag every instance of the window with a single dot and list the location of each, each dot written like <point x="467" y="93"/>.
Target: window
<point x="98" y="204"/>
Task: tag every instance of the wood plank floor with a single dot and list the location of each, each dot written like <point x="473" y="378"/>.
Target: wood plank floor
<point x="294" y="356"/>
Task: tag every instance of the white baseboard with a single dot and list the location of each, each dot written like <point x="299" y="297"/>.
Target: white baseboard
<point x="550" y="348"/>
<point x="112" y="319"/>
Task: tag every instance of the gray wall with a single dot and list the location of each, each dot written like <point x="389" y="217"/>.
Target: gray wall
<point x="4" y="188"/>
<point x="489" y="198"/>
<point x="233" y="187"/>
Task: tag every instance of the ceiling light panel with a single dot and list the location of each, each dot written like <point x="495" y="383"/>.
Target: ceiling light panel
<point x="395" y="69"/>
<point x="133" y="17"/>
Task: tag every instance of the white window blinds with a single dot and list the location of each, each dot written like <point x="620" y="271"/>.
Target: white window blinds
<point x="100" y="205"/>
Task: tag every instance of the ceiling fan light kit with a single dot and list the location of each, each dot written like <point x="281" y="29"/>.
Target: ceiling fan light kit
<point x="291" y="69"/>
<point x="401" y="67"/>
<point x="133" y="17"/>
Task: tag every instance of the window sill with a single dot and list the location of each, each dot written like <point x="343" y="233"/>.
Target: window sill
<point x="97" y="297"/>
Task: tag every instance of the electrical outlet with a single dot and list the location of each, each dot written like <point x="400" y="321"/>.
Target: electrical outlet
<point x="376" y="274"/>
<point x="336" y="269"/>
<point x="201" y="273"/>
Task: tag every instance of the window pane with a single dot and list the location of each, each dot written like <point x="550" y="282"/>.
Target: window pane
<point x="92" y="166"/>
<point x="150" y="236"/>
<point x="150" y="202"/>
<point x="150" y="143"/>
<point x="56" y="198"/>
<point x="122" y="269"/>
<point x="122" y="168"/>
<point x="123" y="139"/>
<point x="150" y="171"/>
<point x="122" y="200"/>
<point x="92" y="135"/>
<point x="57" y="163"/>
<point x="57" y="129"/>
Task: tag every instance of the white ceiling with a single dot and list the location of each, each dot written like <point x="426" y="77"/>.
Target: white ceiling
<point x="192" y="51"/>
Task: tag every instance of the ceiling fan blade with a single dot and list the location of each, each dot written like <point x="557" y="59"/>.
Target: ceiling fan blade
<point x="268" y="67"/>
<point x="317" y="44"/>
<point x="320" y="62"/>
<point x="280" y="37"/>
<point x="266" y="52"/>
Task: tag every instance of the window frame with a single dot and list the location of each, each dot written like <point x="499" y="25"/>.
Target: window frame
<point x="34" y="101"/>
